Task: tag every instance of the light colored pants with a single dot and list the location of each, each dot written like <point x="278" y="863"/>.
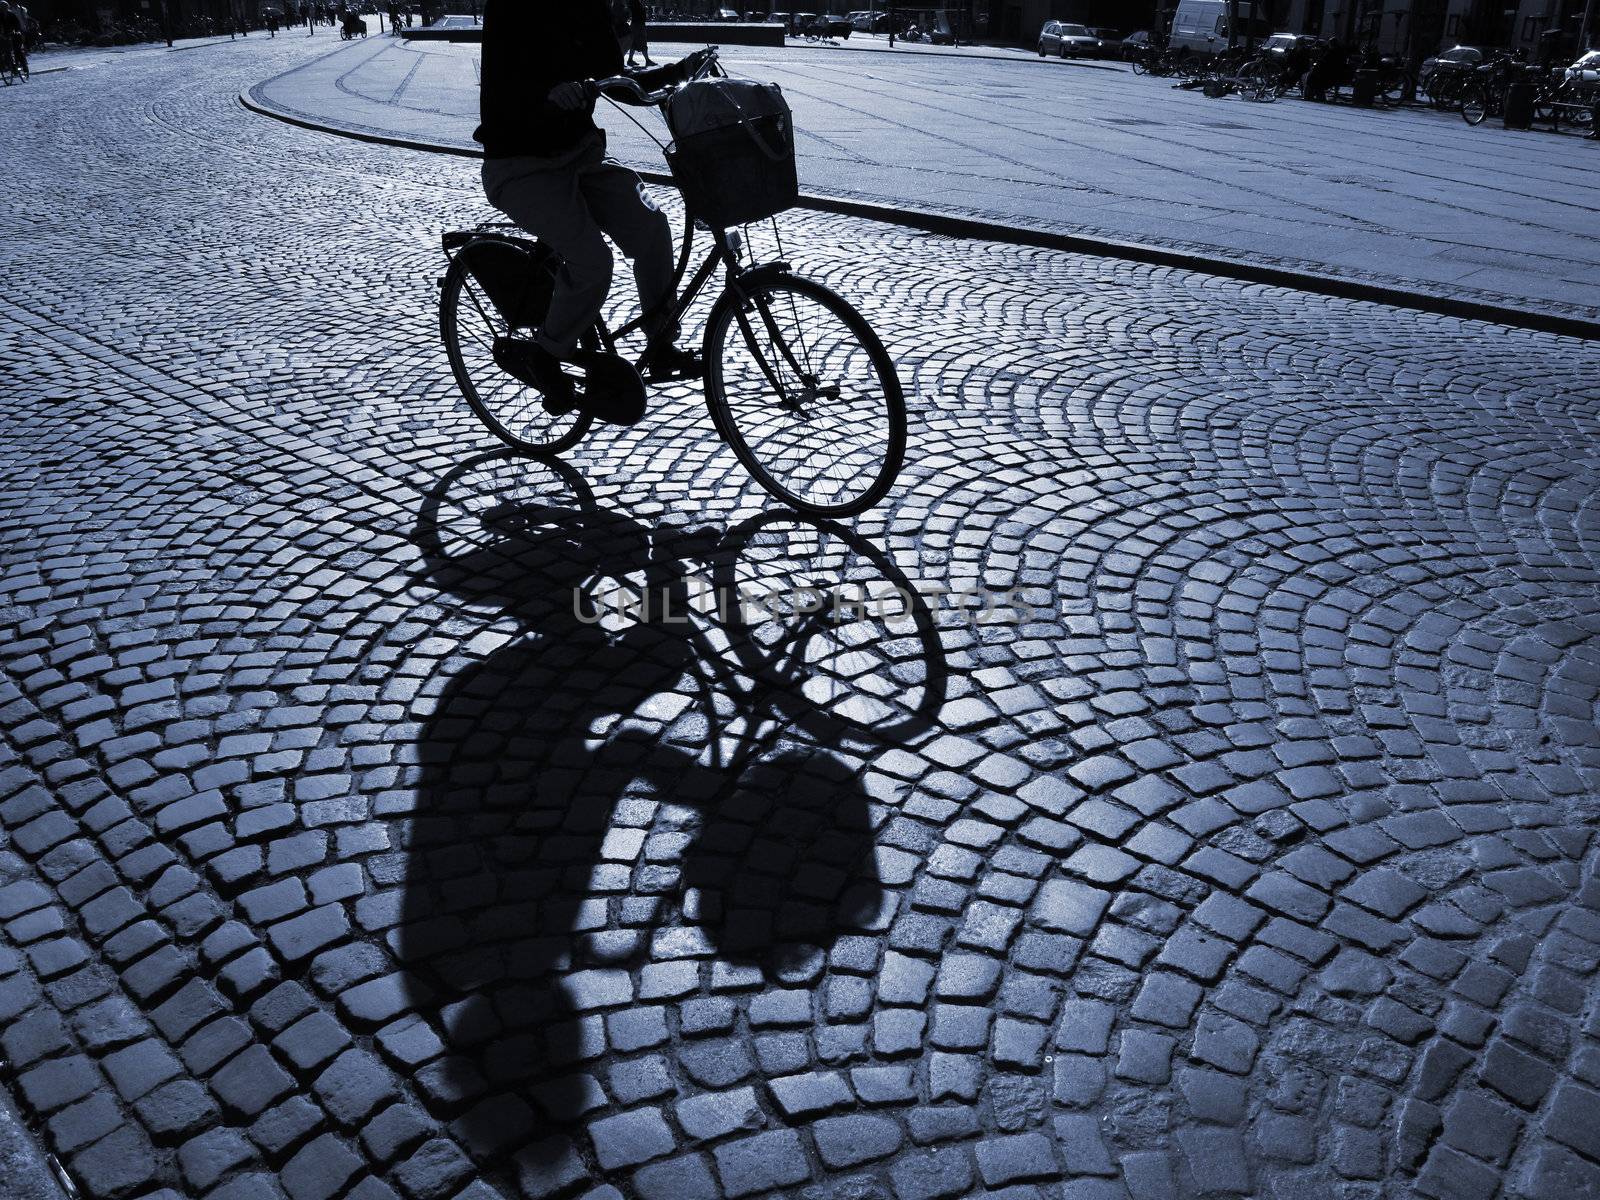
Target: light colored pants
<point x="568" y="203"/>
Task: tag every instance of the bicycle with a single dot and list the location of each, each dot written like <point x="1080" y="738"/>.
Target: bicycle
<point x="1395" y="84"/>
<point x="1484" y="93"/>
<point x="1261" y="79"/>
<point x="1445" y="88"/>
<point x="796" y="381"/>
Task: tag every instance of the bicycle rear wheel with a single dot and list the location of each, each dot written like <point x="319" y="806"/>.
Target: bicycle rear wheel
<point x="805" y="394"/>
<point x="469" y="323"/>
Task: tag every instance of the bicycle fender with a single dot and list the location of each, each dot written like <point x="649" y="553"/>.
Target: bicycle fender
<point x="755" y="275"/>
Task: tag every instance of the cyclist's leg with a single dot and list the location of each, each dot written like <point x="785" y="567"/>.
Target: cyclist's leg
<point x="622" y="208"/>
<point x="542" y="196"/>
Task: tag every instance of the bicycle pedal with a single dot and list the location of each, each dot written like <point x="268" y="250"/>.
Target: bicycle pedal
<point x="695" y="373"/>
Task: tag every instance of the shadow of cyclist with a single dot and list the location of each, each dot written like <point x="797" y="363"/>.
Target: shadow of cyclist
<point x="605" y="809"/>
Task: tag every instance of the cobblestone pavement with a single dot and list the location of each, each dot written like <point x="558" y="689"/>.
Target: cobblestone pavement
<point x="1408" y="198"/>
<point x="342" y="855"/>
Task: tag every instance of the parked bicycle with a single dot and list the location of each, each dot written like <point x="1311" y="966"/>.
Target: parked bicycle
<point x="1483" y="94"/>
<point x="796" y="381"/>
<point x="1560" y="99"/>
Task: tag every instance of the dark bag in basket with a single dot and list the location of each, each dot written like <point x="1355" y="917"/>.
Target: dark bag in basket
<point x="732" y="152"/>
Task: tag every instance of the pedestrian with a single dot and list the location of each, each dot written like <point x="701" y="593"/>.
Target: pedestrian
<point x="272" y="22"/>
<point x="637" y="42"/>
<point x="545" y="167"/>
<point x="394" y="17"/>
<point x="11" y="37"/>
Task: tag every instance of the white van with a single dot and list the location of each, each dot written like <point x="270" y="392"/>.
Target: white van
<point x="1200" y="26"/>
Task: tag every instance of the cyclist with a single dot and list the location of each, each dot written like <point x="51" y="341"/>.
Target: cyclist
<point x="12" y="34"/>
<point x="545" y="167"/>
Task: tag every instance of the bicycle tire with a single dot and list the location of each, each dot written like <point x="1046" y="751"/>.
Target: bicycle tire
<point x="512" y="411"/>
<point x="757" y="342"/>
<point x="1475" y="105"/>
<point x="1138" y="66"/>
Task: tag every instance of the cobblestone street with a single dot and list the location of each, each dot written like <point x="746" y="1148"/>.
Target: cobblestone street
<point x="342" y="854"/>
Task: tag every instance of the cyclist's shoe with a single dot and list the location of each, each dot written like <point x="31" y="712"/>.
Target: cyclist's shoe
<point x="538" y="368"/>
<point x="674" y="362"/>
<point x="611" y="390"/>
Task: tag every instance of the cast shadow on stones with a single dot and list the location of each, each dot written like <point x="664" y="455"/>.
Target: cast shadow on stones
<point x="608" y="812"/>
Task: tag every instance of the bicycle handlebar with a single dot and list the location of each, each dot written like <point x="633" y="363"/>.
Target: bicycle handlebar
<point x="625" y="89"/>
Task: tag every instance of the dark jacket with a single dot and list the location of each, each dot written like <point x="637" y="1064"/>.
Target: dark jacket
<point x="529" y="46"/>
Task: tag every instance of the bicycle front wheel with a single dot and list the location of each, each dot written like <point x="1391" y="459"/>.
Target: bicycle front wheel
<point x="469" y="323"/>
<point x="1475" y="106"/>
<point x="805" y="394"/>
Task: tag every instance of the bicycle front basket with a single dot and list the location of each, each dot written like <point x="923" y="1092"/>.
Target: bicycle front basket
<point x="732" y="153"/>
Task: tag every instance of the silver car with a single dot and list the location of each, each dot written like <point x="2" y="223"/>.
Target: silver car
<point x="1067" y="41"/>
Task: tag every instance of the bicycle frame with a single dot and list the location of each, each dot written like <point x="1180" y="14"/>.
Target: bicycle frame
<point x="686" y="294"/>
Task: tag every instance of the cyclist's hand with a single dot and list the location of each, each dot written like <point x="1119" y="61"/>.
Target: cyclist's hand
<point x="569" y="96"/>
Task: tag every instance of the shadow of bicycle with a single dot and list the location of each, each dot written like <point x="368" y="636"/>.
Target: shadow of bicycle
<point x="651" y="798"/>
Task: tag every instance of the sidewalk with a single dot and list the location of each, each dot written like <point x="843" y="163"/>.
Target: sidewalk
<point x="1413" y="202"/>
<point x="69" y="58"/>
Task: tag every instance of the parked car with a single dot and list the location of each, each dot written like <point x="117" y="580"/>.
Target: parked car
<point x="1136" y="43"/>
<point x="1282" y="43"/>
<point x="1110" y="43"/>
<point x="1067" y="41"/>
<point x="726" y="14"/>
<point x="832" y="25"/>
<point x="1457" y="58"/>
<point x="1200" y="26"/>
<point x="1586" y="69"/>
